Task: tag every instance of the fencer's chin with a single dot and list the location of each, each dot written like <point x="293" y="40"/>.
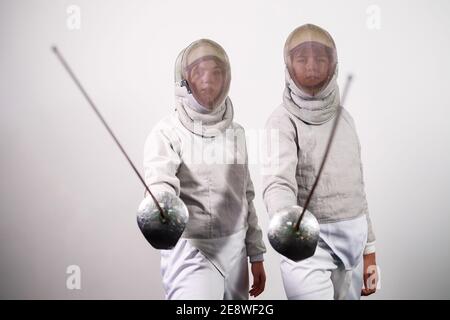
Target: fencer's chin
<point x="208" y="103"/>
<point x="313" y="82"/>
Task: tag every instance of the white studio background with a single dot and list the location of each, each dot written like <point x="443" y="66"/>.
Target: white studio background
<point x="68" y="197"/>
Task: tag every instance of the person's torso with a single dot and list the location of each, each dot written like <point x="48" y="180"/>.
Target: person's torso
<point x="213" y="177"/>
<point x="339" y="194"/>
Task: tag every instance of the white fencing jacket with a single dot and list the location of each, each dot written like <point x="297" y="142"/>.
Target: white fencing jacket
<point x="206" y="166"/>
<point x="303" y="126"/>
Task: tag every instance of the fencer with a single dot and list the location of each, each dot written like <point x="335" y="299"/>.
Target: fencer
<point x="345" y="255"/>
<point x="198" y="153"/>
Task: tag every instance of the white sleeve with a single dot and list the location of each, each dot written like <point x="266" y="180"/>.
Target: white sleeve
<point x="161" y="162"/>
<point x="280" y="166"/>
<point x="254" y="238"/>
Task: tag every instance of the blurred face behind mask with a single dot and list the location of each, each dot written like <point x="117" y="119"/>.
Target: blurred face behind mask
<point x="310" y="57"/>
<point x="204" y="69"/>
<point x="311" y="66"/>
<point x="206" y="78"/>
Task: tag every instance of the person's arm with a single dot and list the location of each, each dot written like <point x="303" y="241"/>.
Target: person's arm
<point x="279" y="168"/>
<point x="161" y="162"/>
<point x="255" y="245"/>
<point x="254" y="240"/>
<point x="370" y="271"/>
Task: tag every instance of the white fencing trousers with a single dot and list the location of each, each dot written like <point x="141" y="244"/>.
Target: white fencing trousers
<point x="321" y="277"/>
<point x="189" y="275"/>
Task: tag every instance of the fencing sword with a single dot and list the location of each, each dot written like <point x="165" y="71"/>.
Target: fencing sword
<point x="161" y="223"/>
<point x="298" y="241"/>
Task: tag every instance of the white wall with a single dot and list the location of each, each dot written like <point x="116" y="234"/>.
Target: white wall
<point x="69" y="197"/>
